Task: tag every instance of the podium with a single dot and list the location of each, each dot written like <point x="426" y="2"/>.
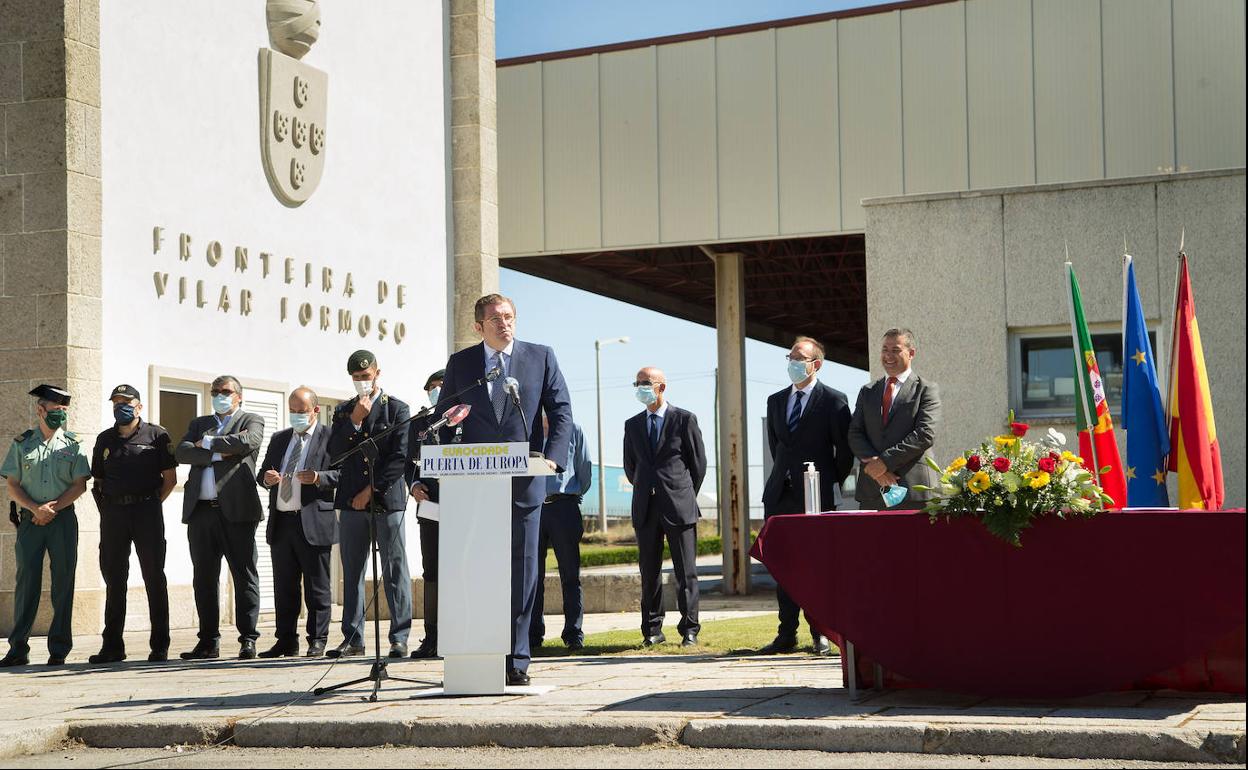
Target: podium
<point x="474" y="558"/>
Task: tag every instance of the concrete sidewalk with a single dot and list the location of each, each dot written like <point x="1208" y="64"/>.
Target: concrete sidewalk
<point x="784" y="702"/>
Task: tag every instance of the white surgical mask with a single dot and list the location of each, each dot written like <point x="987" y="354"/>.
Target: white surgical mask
<point x="645" y="394"/>
<point x="300" y="421"/>
<point x="797" y="371"/>
<point x="222" y="403"/>
<point x="363" y="387"/>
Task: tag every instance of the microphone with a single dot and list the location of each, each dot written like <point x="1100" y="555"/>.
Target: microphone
<point x="490" y="376"/>
<point x="512" y="386"/>
<point x="450" y="418"/>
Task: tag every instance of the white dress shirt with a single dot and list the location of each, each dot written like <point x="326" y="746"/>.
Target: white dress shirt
<point x="489" y="361"/>
<point x="806" y="391"/>
<point x="208" y="482"/>
<point x="901" y="380"/>
<point x="295" y="503"/>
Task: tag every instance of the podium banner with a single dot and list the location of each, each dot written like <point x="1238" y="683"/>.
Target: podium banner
<point x="501" y="459"/>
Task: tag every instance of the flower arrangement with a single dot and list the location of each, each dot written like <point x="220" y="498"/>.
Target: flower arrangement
<point x="1007" y="481"/>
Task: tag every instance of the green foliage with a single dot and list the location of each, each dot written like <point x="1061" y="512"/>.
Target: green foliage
<point x="607" y="555"/>
<point x="717" y="637"/>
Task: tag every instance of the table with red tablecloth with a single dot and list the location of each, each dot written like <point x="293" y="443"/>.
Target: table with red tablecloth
<point x="1124" y="599"/>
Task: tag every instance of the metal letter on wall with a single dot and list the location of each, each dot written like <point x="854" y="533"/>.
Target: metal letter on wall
<point x="293" y="102"/>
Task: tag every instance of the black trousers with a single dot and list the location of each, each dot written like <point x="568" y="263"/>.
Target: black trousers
<point x="792" y="500"/>
<point x="142" y="524"/>
<point x="683" y="542"/>
<point x="212" y="537"/>
<point x="297" y="561"/>
<point x="428" y="550"/>
<point x="561" y="529"/>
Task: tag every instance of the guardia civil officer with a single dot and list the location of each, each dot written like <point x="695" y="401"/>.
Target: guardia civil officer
<point x="363" y="486"/>
<point x="46" y="470"/>
<point x="133" y="467"/>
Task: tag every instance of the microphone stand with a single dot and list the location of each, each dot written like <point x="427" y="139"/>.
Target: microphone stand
<point x="515" y="400"/>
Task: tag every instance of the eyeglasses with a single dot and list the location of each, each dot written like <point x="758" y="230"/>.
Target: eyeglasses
<point x="799" y="358"/>
<point x="222" y="392"/>
<point x="645" y="384"/>
<point x="501" y="320"/>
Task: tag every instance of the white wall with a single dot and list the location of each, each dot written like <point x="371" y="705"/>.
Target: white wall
<point x="181" y="128"/>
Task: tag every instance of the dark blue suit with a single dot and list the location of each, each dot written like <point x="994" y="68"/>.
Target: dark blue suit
<point x="542" y="389"/>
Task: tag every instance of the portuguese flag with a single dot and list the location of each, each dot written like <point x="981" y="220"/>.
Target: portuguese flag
<point x="1194" y="452"/>
<point x="1097" y="445"/>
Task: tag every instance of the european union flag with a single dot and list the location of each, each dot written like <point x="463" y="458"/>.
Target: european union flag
<point x="1148" y="440"/>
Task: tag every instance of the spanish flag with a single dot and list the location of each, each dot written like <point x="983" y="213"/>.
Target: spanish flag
<point x="1097" y="445"/>
<point x="1194" y="453"/>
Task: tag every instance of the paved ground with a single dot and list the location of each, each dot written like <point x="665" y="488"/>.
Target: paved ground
<point x="785" y="702"/>
<point x="674" y="757"/>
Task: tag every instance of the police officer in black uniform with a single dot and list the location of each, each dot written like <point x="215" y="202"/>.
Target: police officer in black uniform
<point x="133" y="467"/>
<point x="425" y="492"/>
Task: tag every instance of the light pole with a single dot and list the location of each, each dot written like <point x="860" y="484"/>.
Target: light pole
<point x="602" y="472"/>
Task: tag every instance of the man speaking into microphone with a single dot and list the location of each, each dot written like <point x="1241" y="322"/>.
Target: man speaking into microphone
<point x="506" y="408"/>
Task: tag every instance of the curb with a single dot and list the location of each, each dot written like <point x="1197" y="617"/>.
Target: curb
<point x="1051" y="741"/>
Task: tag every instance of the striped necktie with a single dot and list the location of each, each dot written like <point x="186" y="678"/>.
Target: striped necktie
<point x="498" y="393"/>
<point x="796" y="415"/>
<point x="287" y="489"/>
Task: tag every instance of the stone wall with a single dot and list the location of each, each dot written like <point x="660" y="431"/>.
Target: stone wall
<point x="965" y="270"/>
<point x="50" y="276"/>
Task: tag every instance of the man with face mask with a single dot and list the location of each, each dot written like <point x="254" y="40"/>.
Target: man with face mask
<point x="46" y="470"/>
<point x="425" y="493"/>
<point x="302" y="528"/>
<point x="134" y="471"/>
<point x="807" y="422"/>
<point x="665" y="461"/>
<point x="221" y="508"/>
<point x="379" y="485"/>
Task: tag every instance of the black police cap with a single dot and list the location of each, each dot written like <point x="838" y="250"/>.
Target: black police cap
<point x="435" y="377"/>
<point x="52" y="394"/>
<point x="128" y="391"/>
<point x="360" y="360"/>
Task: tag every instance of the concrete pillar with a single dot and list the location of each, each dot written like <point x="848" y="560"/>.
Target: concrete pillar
<point x="50" y="264"/>
<point x="474" y="163"/>
<point x="734" y="505"/>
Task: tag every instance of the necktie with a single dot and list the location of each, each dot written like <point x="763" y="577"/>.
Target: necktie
<point x="654" y="431"/>
<point x="888" y="398"/>
<point x="796" y="414"/>
<point x="287" y="489"/>
<point x="498" y="394"/>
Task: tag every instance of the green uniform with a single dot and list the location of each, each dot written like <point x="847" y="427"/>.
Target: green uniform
<point x="45" y="470"/>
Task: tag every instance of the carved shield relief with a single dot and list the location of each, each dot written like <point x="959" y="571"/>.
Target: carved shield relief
<point x="292" y="125"/>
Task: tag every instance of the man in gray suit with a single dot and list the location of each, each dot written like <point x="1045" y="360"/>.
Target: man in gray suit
<point x="221" y="508"/>
<point x="893" y="426"/>
<point x="302" y="527"/>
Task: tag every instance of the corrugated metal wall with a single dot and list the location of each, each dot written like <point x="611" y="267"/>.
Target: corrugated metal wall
<point x="781" y="132"/>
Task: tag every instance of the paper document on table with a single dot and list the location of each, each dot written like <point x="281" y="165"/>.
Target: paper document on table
<point x="427" y="510"/>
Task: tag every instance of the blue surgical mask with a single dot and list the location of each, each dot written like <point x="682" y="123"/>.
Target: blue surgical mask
<point x="894" y="494"/>
<point x="300" y="422"/>
<point x="797" y="371"/>
<point x="222" y="403"/>
<point x="433" y="395"/>
<point x="645" y="394"/>
<point x="123" y="413"/>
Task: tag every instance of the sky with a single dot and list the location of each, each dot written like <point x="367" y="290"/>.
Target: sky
<point x="569" y="320"/>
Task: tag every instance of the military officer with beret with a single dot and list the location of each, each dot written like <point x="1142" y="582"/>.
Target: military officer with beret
<point x="377" y="484"/>
<point x="46" y="470"/>
<point x="134" y="471"/>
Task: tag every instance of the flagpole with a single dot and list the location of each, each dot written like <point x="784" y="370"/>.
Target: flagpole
<point x="1174" y="328"/>
<point x="1081" y="367"/>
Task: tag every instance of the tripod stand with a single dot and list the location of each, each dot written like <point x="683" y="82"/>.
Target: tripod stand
<point x="378" y="672"/>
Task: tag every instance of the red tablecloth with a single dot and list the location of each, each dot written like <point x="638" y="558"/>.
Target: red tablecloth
<point x="1083" y="606"/>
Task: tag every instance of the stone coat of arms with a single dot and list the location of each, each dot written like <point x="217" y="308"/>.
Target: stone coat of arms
<point x="293" y="104"/>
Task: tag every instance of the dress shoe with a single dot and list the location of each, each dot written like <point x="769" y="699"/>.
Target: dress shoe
<point x="821" y="645"/>
<point x="202" y="652"/>
<point x="315" y="649"/>
<point x="345" y="650"/>
<point x="575" y="645"/>
<point x="690" y="640"/>
<point x="428" y="649"/>
<point x="158" y="656"/>
<point x="398" y="649"/>
<point x="281" y="650"/>
<point x="780" y="644"/>
<point x="650" y="641"/>
<point x="247" y="650"/>
<point x="517" y="678"/>
<point x="107" y="656"/>
<point x="56" y="660"/>
<point x="14" y="660"/>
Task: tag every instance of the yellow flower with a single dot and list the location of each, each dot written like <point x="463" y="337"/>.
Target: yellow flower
<point x="956" y="465"/>
<point x="1037" y="479"/>
<point x="1005" y="442"/>
<point x="978" y="483"/>
<point x="1070" y="457"/>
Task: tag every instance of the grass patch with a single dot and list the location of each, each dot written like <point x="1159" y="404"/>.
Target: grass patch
<point x="593" y="555"/>
<point x="718" y="637"/>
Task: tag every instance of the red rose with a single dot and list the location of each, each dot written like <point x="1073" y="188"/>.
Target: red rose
<point x="1019" y="428"/>
<point x="973" y="463"/>
<point x="1055" y="456"/>
<point x="1047" y="464"/>
<point x="1002" y="464"/>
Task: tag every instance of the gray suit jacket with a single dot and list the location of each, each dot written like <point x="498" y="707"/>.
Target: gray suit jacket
<point x="320" y="525"/>
<point x="235" y="472"/>
<point x="910" y="433"/>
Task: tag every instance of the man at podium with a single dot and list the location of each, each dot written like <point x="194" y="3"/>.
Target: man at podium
<point x="507" y="408"/>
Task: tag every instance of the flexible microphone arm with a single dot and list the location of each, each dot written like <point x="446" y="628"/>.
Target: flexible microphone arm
<point x="512" y="386"/>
